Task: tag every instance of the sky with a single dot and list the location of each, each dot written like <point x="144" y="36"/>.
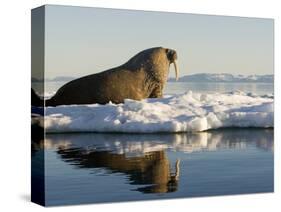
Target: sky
<point x="83" y="40"/>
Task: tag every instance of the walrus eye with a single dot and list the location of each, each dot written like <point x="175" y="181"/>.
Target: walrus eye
<point x="171" y="54"/>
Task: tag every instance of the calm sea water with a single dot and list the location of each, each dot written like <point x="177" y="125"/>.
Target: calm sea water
<point x="91" y="167"/>
<point x="180" y="87"/>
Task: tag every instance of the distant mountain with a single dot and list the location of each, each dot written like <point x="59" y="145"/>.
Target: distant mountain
<point x="34" y="79"/>
<point x="61" y="78"/>
<point x="225" y="78"/>
<point x="56" y="79"/>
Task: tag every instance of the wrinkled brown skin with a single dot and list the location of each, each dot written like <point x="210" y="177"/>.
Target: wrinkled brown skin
<point x="143" y="76"/>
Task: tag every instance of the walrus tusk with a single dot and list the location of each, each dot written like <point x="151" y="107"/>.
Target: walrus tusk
<point x="176" y="69"/>
<point x="177" y="174"/>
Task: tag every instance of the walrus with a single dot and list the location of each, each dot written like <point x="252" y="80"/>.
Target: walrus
<point x="143" y="76"/>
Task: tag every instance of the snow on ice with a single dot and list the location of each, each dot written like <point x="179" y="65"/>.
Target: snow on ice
<point x="177" y="113"/>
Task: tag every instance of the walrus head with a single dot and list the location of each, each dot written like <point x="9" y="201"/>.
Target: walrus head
<point x="172" y="56"/>
<point x="156" y="62"/>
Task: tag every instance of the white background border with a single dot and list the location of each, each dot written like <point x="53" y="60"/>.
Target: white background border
<point x="15" y="103"/>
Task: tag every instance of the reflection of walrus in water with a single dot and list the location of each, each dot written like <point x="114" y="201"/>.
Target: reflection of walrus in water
<point x="143" y="76"/>
<point x="153" y="168"/>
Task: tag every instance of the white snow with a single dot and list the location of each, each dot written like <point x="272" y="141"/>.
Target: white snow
<point x="178" y="113"/>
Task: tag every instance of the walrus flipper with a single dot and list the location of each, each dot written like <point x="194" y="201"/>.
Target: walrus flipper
<point x="36" y="100"/>
<point x="156" y="93"/>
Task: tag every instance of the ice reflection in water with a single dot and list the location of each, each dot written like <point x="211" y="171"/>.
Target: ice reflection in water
<point x="87" y="168"/>
<point x="143" y="158"/>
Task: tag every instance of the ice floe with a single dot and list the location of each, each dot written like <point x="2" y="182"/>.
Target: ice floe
<point x="175" y="113"/>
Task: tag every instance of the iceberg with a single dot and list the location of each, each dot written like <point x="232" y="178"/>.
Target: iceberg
<point x="188" y="112"/>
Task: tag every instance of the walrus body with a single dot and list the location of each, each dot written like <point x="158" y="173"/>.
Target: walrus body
<point x="143" y="76"/>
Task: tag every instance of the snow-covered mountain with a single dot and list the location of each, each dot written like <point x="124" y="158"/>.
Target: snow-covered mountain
<point x="56" y="79"/>
<point x="204" y="77"/>
<point x="62" y="79"/>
